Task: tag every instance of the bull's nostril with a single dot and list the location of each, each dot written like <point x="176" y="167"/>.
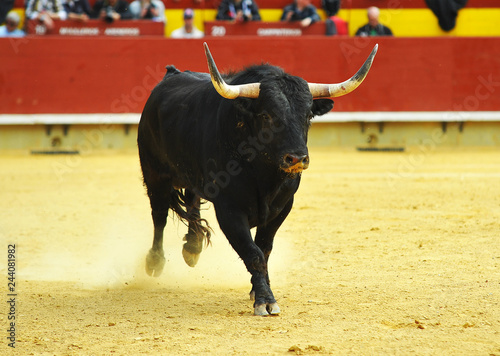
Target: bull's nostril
<point x="289" y="159"/>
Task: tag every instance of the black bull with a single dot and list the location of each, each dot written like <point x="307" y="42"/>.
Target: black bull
<point x="242" y="146"/>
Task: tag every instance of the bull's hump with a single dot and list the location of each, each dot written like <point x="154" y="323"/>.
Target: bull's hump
<point x="172" y="70"/>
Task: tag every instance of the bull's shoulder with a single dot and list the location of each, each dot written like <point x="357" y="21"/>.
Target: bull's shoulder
<point x="198" y="75"/>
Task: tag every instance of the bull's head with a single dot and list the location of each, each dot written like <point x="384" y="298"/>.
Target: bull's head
<point x="292" y="159"/>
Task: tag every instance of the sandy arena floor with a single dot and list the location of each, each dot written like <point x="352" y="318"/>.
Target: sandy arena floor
<point x="383" y="254"/>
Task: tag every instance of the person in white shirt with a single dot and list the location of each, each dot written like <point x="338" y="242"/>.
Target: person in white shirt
<point x="188" y="30"/>
<point x="46" y="11"/>
<point x="10" y="29"/>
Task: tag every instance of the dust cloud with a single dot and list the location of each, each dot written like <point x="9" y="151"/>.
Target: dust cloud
<point x="111" y="254"/>
<point x="94" y="228"/>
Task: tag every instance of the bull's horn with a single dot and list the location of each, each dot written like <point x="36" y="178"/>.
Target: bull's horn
<point x="250" y="90"/>
<point x="334" y="90"/>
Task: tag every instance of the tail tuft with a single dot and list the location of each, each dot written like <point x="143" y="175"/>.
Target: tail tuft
<point x="179" y="205"/>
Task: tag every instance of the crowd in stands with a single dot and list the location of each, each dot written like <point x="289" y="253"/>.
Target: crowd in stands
<point x="300" y="11"/>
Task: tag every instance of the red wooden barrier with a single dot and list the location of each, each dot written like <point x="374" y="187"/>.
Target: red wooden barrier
<point x="258" y="28"/>
<point x="111" y="75"/>
<point x="98" y="28"/>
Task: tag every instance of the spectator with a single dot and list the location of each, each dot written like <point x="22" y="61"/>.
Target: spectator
<point x="301" y="10"/>
<point x="45" y="11"/>
<point x="373" y="27"/>
<point x="331" y="7"/>
<point x="78" y="10"/>
<point x="334" y="24"/>
<point x="188" y="30"/>
<point x="148" y="9"/>
<point x="111" y="10"/>
<point x="10" y="29"/>
<point x="5" y="7"/>
<point x="446" y="11"/>
<point x="238" y="10"/>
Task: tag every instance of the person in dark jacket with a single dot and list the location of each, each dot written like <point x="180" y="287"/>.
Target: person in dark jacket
<point x="5" y="7"/>
<point x="111" y="10"/>
<point x="331" y="7"/>
<point x="301" y="10"/>
<point x="373" y="27"/>
<point x="238" y="10"/>
<point x="446" y="11"/>
<point x="78" y="10"/>
<point x="334" y="24"/>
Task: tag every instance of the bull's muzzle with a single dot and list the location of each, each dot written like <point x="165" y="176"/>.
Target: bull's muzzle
<point x="294" y="163"/>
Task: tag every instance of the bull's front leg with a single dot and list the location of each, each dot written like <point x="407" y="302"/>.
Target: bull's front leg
<point x="264" y="236"/>
<point x="235" y="226"/>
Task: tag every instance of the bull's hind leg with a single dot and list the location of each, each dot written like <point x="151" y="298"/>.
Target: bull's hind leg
<point x="194" y="238"/>
<point x="159" y="188"/>
<point x="155" y="259"/>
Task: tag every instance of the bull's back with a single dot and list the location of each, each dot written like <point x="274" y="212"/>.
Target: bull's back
<point x="177" y="119"/>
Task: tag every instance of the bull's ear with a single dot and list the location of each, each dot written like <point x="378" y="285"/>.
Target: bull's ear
<point x="321" y="106"/>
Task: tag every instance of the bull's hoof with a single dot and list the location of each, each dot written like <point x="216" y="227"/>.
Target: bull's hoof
<point x="192" y="249"/>
<point x="155" y="261"/>
<point x="191" y="259"/>
<point x="267" y="309"/>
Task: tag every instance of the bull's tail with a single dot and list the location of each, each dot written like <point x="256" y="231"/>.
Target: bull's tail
<point x="181" y="206"/>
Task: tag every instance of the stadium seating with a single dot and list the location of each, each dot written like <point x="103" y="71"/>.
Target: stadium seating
<point x="408" y="18"/>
